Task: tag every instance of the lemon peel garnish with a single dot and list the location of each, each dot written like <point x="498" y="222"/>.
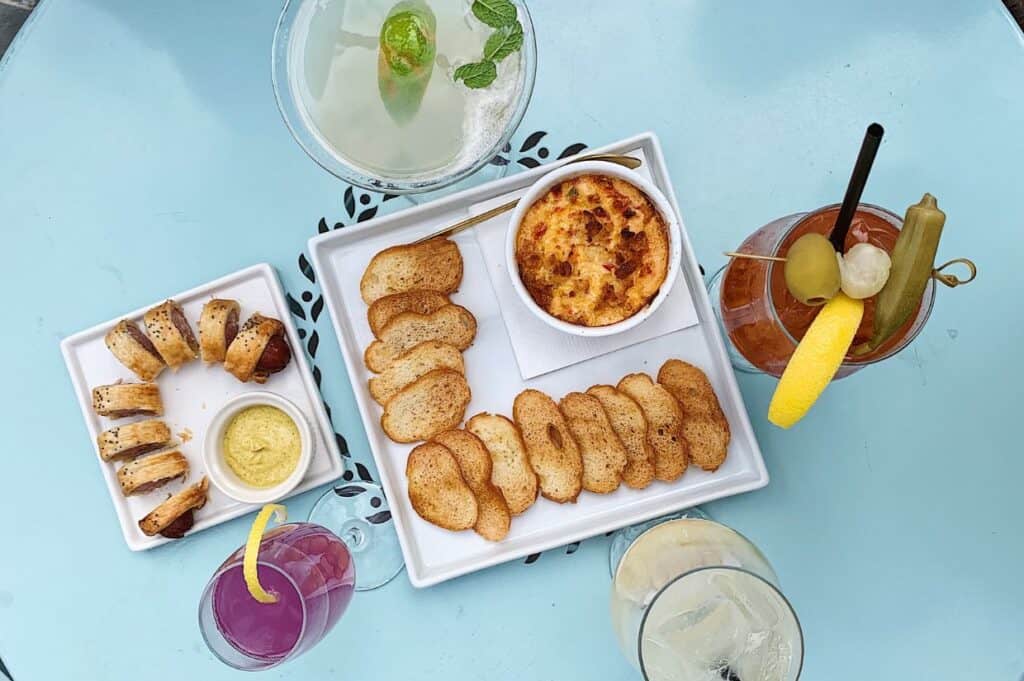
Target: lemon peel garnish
<point x="252" y="550"/>
<point x="816" y="360"/>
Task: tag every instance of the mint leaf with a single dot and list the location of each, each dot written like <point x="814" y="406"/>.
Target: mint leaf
<point x="477" y="74"/>
<point x="495" y="13"/>
<point x="503" y="42"/>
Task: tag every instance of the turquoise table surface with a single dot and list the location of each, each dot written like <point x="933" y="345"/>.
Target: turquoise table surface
<point x="141" y="154"/>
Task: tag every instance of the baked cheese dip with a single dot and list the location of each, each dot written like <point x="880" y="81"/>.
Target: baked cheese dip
<point x="593" y="250"/>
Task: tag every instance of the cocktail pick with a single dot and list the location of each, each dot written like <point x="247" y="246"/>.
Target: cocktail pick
<point x="859" y="178"/>
<point x="754" y="256"/>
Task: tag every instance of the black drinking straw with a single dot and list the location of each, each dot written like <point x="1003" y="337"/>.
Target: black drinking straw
<point x="859" y="178"/>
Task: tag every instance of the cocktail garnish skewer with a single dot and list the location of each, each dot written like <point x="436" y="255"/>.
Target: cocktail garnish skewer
<point x="754" y="256"/>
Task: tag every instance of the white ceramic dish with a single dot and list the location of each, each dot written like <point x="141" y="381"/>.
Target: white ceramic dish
<point x="539" y="189"/>
<point x="433" y="555"/>
<point x="221" y="474"/>
<point x="192" y="395"/>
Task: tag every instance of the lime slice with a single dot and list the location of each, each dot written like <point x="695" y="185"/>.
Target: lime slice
<point x="816" y="360"/>
<point x="252" y="550"/>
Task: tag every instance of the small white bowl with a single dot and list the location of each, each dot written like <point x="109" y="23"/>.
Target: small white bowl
<point x="221" y="474"/>
<point x="594" y="168"/>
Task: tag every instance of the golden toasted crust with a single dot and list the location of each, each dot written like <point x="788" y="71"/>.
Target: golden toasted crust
<point x="704" y="425"/>
<point x="245" y="351"/>
<point x="127" y="399"/>
<point x="511" y="472"/>
<point x="664" y="425"/>
<point x="213" y="323"/>
<point x="603" y="454"/>
<point x="171" y="334"/>
<point x="554" y="455"/>
<point x="133" y="439"/>
<point x="422" y="359"/>
<point x="188" y="499"/>
<point x="431" y="404"/>
<point x="628" y="422"/>
<point x="493" y="518"/>
<point x="434" y="265"/>
<point x="437" y="490"/>
<point x="452" y="324"/>
<point x="593" y="251"/>
<point x="385" y="309"/>
<point x="147" y="473"/>
<point x="133" y="349"/>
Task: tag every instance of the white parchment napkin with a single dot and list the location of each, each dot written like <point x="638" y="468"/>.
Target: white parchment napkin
<point x="539" y="348"/>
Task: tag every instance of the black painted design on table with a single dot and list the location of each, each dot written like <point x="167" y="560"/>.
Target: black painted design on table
<point x="358" y="205"/>
<point x="355" y="490"/>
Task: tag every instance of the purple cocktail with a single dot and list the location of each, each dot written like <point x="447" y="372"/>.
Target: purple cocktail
<point x="307" y="568"/>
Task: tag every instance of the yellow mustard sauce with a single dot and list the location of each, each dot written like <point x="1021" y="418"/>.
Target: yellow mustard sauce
<point x="261" y="445"/>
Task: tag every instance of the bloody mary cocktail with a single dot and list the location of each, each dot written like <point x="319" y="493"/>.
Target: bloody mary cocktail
<point x="762" y="319"/>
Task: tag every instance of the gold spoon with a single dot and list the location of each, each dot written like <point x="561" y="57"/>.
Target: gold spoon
<point x="618" y="159"/>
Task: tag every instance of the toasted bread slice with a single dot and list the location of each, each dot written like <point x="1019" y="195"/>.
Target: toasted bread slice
<point x="387" y="308"/>
<point x="511" y="472"/>
<point x="431" y="404"/>
<point x="450" y="324"/>
<point x="628" y="422"/>
<point x="493" y="517"/>
<point x="434" y="265"/>
<point x="437" y="490"/>
<point x="664" y="425"/>
<point x="704" y="425"/>
<point x="422" y="359"/>
<point x="602" y="451"/>
<point x="553" y="453"/>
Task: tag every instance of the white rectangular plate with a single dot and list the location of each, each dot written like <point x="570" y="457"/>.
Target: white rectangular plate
<point x="193" y="395"/>
<point x="433" y="555"/>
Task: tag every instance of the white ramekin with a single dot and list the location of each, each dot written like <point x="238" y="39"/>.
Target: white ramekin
<point x="221" y="474"/>
<point x="566" y="172"/>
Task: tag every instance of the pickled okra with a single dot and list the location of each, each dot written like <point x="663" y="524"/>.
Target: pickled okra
<point x="912" y="260"/>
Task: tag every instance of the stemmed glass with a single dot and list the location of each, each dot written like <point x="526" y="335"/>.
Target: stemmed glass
<point x="311" y="569"/>
<point x="694" y="600"/>
<point x="299" y="53"/>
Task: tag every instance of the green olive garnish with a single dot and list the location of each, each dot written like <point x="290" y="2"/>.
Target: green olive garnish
<point x="811" y="270"/>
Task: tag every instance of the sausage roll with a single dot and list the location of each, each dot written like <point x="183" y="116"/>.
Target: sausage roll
<point x="133" y="349"/>
<point x="173" y="518"/>
<point x="133" y="439"/>
<point x="218" y="326"/>
<point x="127" y="399"/>
<point x="171" y="334"/>
<point x="147" y="473"/>
<point x="258" y="350"/>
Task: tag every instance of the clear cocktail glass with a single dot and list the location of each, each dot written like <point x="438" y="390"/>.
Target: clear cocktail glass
<point x="763" y="322"/>
<point x="694" y="600"/>
<point x="311" y="573"/>
<point x="392" y="132"/>
<point x="312" y="568"/>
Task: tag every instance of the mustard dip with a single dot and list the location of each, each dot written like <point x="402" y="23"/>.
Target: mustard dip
<point x="261" y="445"/>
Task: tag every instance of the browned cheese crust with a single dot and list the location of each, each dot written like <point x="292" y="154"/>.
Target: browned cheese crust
<point x="593" y="250"/>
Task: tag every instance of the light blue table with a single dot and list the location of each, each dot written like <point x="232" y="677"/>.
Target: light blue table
<point x="141" y="153"/>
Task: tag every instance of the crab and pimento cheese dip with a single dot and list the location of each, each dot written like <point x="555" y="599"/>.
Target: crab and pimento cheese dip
<point x="593" y="250"/>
